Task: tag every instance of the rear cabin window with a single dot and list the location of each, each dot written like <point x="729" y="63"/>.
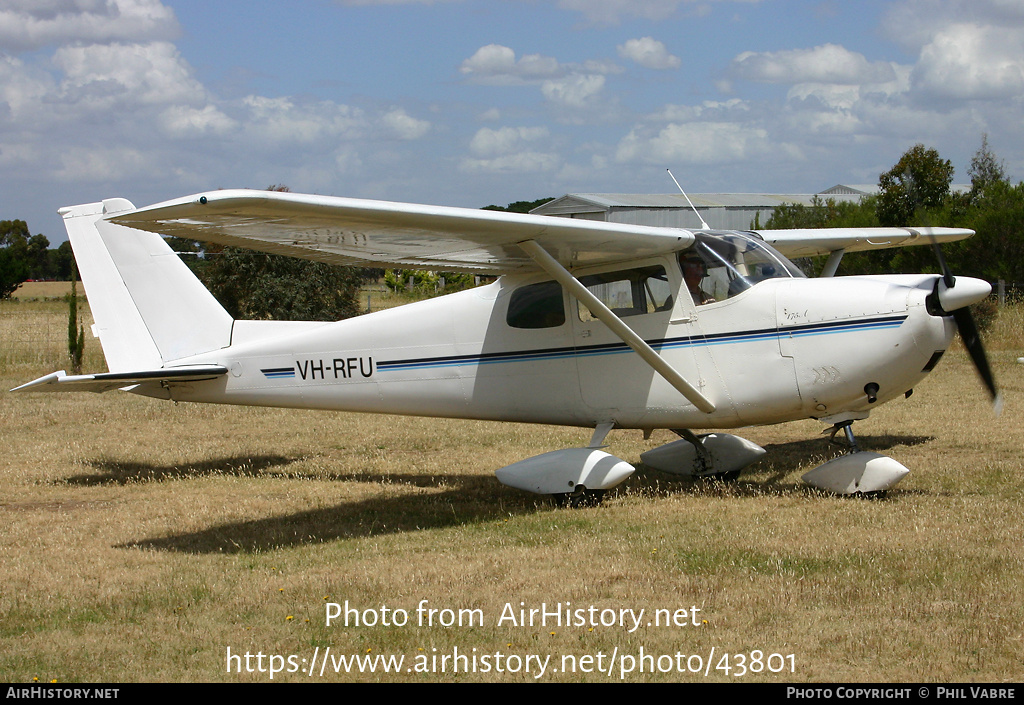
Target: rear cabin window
<point x="631" y="292"/>
<point x="536" y="306"/>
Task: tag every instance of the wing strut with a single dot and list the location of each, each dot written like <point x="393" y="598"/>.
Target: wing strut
<point x="550" y="265"/>
<point x="832" y="264"/>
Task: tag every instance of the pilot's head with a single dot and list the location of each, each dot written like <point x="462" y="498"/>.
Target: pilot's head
<point x="694" y="269"/>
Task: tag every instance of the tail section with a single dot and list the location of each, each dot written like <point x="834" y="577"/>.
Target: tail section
<point x="148" y="306"/>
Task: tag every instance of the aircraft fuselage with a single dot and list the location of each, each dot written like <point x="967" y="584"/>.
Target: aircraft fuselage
<point x="782" y="350"/>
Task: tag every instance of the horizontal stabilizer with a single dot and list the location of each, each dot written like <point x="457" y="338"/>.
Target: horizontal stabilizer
<point x="104" y="382"/>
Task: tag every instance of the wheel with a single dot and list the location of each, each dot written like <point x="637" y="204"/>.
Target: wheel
<point x="579" y="497"/>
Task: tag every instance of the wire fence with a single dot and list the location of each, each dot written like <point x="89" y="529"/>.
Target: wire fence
<point x="34" y="338"/>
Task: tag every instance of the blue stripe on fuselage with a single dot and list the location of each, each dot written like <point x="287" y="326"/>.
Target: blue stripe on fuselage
<point x="801" y="331"/>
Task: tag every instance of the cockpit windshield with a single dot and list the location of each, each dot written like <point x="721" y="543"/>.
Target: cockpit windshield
<point x="723" y="265"/>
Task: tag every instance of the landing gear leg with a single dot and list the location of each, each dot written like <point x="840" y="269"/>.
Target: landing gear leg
<point x="847" y="428"/>
<point x="704" y="464"/>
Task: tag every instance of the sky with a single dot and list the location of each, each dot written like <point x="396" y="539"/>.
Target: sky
<point x="474" y="102"/>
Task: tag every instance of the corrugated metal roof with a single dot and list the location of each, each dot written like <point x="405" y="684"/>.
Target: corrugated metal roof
<point x="851" y="190"/>
<point x="872" y="189"/>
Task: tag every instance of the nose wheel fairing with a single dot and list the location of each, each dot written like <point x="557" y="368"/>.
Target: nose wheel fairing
<point x="858" y="471"/>
<point x="861" y="472"/>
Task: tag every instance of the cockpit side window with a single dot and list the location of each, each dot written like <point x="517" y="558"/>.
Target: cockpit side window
<point x="629" y="292"/>
<point x="536" y="306"/>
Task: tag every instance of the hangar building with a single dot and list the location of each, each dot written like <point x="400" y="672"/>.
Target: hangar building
<point x="724" y="211"/>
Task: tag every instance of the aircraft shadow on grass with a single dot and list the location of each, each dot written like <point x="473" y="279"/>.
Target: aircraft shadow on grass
<point x="465" y="499"/>
<point x="121" y="472"/>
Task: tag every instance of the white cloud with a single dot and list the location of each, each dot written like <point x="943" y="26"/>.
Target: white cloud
<point x="830" y="95"/>
<point x="103" y="163"/>
<point x="183" y="122"/>
<point x="505" y="140"/>
<point x="151" y="73"/>
<point x="709" y="110"/>
<point x="649" y="53"/>
<point x="364" y="3"/>
<point x="280" y="121"/>
<point x="828" y="63"/>
<point x="572" y="89"/>
<point x="695" y="143"/>
<point x="575" y="91"/>
<point x="22" y="90"/>
<point x="509" y="150"/>
<point x="404" y="126"/>
<point x="522" y="162"/>
<point x="30" y="24"/>
<point x="968" y="61"/>
<point x="119" y="113"/>
<point x="914" y="23"/>
<point x="347" y="159"/>
<point x="611" y="12"/>
<point x="497" y="64"/>
<point x="846" y="97"/>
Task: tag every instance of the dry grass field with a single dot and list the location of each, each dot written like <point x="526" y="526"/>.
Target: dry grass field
<point x="142" y="540"/>
<point x="33" y="291"/>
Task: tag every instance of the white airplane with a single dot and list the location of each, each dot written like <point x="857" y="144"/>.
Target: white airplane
<point x="590" y="324"/>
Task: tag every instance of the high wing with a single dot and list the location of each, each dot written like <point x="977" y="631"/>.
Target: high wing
<point x="350" y="231"/>
<point x="812" y="242"/>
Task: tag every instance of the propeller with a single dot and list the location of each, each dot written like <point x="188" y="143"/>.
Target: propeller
<point x="957" y="297"/>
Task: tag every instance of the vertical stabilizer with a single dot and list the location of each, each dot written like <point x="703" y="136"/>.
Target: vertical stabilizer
<point x="148" y="306"/>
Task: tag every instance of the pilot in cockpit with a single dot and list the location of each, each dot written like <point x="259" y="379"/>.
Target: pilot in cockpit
<point x="694" y="271"/>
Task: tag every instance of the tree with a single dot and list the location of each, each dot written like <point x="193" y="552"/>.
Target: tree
<point x="519" y="206"/>
<point x="986" y="171"/>
<point x="920" y="179"/>
<point x="997" y="251"/>
<point x="426" y="283"/>
<point x="259" y="286"/>
<point x="826" y="213"/>
<point x="61" y="261"/>
<point x="76" y="329"/>
<point x="14" y="269"/>
<point x="37" y="257"/>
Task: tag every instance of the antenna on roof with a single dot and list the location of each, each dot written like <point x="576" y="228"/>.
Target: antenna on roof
<point x="703" y="225"/>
